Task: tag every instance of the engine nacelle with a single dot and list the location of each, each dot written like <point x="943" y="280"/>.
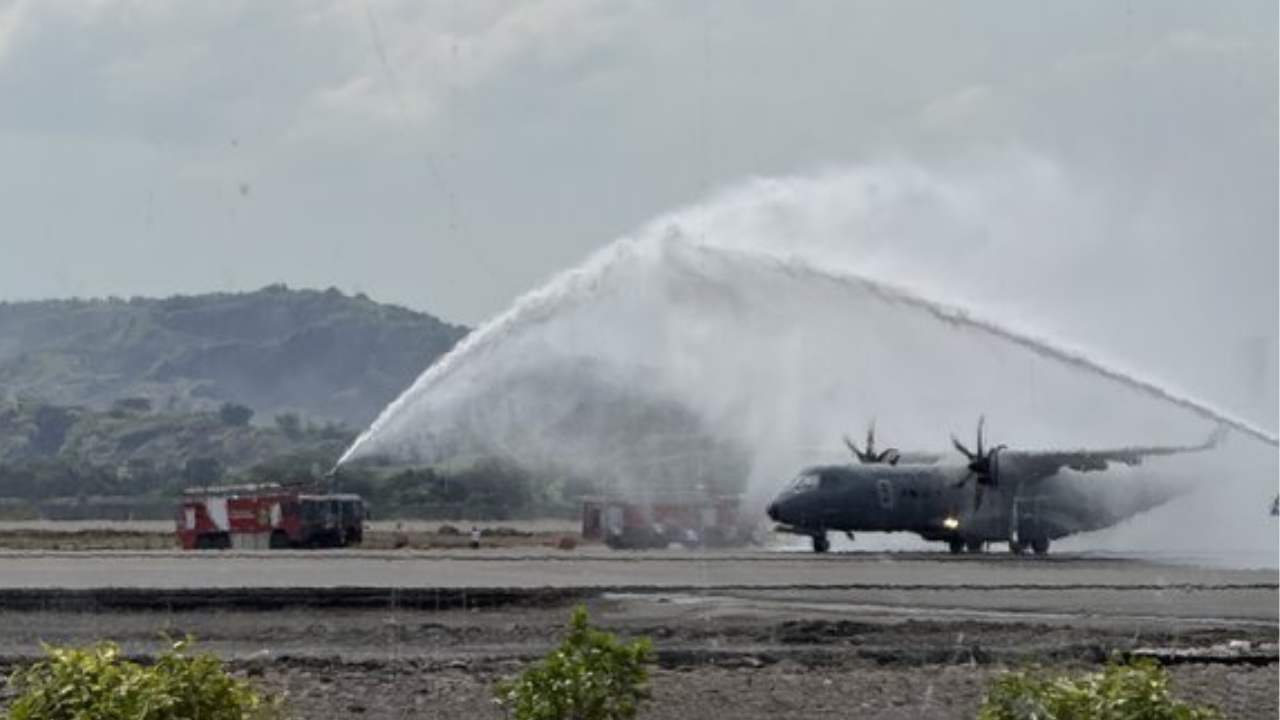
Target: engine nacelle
<point x="990" y="474"/>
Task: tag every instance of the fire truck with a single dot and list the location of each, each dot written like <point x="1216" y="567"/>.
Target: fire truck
<point x="692" y="519"/>
<point x="266" y="516"/>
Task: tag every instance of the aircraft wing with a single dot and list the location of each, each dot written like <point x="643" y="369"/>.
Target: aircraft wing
<point x="910" y="457"/>
<point x="1036" y="465"/>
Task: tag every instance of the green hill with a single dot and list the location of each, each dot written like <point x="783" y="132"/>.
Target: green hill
<point x="132" y="462"/>
<point x="323" y="355"/>
<point x="49" y="451"/>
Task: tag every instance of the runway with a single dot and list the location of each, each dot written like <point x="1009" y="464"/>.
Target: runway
<point x="1062" y="586"/>
<point x="751" y="634"/>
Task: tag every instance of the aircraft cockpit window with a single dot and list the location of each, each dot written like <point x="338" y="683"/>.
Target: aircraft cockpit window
<point x="804" y="483"/>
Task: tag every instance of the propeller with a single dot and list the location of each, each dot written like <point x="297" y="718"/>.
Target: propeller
<point x="983" y="465"/>
<point x="868" y="456"/>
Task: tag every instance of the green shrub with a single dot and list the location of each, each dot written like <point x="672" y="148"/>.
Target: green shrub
<point x="97" y="683"/>
<point x="591" y="676"/>
<point x="1122" y="691"/>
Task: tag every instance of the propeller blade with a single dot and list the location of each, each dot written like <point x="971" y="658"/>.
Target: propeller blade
<point x="955" y="441"/>
<point x="868" y="455"/>
<point x="861" y="456"/>
<point x="982" y="420"/>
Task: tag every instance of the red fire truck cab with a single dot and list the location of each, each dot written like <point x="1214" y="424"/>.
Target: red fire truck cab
<point x="267" y="516"/>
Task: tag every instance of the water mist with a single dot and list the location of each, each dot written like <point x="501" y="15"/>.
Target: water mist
<point x="731" y="338"/>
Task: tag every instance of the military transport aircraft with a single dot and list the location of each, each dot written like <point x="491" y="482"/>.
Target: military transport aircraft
<point x="997" y="495"/>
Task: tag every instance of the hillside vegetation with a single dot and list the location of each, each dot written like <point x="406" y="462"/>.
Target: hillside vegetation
<point x="110" y="408"/>
<point x="134" y="462"/>
<point x="323" y="355"/>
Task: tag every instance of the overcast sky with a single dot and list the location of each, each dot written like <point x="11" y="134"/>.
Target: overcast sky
<point x="450" y="156"/>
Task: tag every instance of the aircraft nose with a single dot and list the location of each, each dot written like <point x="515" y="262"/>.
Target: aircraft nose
<point x="772" y="511"/>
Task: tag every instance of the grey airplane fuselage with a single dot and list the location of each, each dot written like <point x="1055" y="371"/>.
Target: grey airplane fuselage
<point x="937" y="503"/>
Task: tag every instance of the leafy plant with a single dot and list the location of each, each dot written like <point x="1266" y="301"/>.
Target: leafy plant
<point x="1122" y="691"/>
<point x="591" y="676"/>
<point x="98" y="682"/>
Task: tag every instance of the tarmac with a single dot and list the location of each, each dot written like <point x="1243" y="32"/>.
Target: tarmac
<point x="1077" y="587"/>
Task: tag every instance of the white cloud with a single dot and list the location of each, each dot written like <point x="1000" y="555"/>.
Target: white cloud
<point x="502" y="141"/>
<point x="418" y="54"/>
<point x="960" y="109"/>
<point x="11" y="19"/>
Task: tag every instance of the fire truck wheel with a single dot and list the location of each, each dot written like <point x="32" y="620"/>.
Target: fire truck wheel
<point x="279" y="540"/>
<point x="213" y="541"/>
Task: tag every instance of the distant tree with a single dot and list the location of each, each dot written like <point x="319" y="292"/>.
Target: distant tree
<point x="235" y="414"/>
<point x="496" y="487"/>
<point x="132" y="405"/>
<point x="18" y="482"/>
<point x="141" y="475"/>
<point x="357" y="482"/>
<point x="51" y="427"/>
<point x="202" y="471"/>
<point x="290" y="424"/>
<point x="300" y="466"/>
<point x="336" y="431"/>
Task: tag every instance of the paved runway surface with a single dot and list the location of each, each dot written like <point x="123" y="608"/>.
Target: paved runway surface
<point x="1063" y="586"/>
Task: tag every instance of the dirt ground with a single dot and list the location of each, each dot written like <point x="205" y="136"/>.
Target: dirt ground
<point x="791" y="653"/>
<point x="714" y="661"/>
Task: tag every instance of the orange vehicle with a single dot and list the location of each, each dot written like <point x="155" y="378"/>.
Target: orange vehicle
<point x="691" y="519"/>
<point x="267" y="516"/>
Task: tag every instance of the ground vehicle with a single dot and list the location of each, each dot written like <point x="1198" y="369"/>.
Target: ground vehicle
<point x="693" y="519"/>
<point x="268" y="516"/>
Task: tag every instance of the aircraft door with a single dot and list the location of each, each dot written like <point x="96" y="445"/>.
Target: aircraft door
<point x="885" y="515"/>
<point x="884" y="491"/>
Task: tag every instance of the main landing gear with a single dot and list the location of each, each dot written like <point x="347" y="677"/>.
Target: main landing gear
<point x="1039" y="546"/>
<point x="960" y="545"/>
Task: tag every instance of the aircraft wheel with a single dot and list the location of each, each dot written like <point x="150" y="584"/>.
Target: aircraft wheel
<point x="975" y="546"/>
<point x="1016" y="547"/>
<point x="1040" y="546"/>
<point x="821" y="544"/>
<point x="957" y="546"/>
